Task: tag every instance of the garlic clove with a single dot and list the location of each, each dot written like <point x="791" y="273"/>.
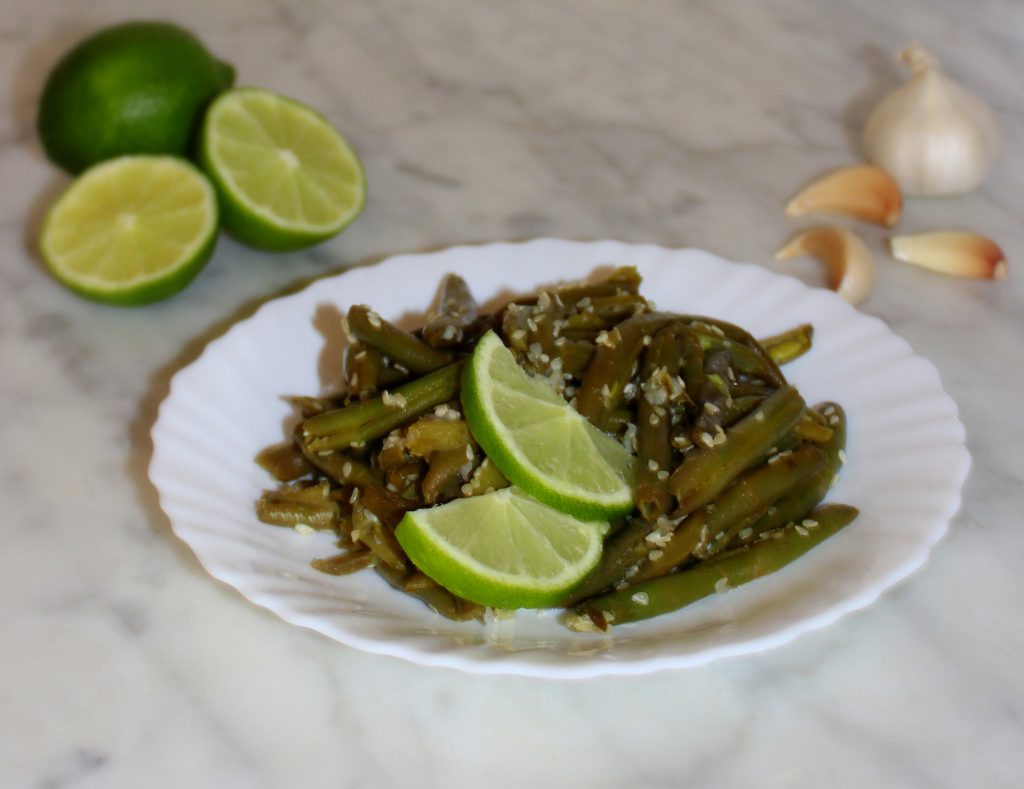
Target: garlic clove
<point x="955" y="252"/>
<point x="850" y="265"/>
<point x="931" y="134"/>
<point x="862" y="191"/>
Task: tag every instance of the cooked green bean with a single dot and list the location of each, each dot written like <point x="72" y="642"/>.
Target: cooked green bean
<point x="283" y="461"/>
<point x="344" y="563"/>
<point x="789" y="345"/>
<point x="374" y="418"/>
<point x="811" y="429"/>
<point x="622" y="551"/>
<point x="363" y="365"/>
<point x="742" y="359"/>
<point x="368" y="529"/>
<point x="428" y="435"/>
<point x="389" y="507"/>
<point x="795" y="505"/>
<point x="444" y="474"/>
<point x="672" y="592"/>
<point x="439" y="599"/>
<point x="321" y="515"/>
<point x="336" y="464"/>
<point x="485" y="479"/>
<point x="399" y="346"/>
<point x="456" y="314"/>
<point x="733" y="332"/>
<point x="706" y="471"/>
<point x="603" y="383"/>
<point x="660" y="387"/>
<point x="754" y="492"/>
<point x="706" y="531"/>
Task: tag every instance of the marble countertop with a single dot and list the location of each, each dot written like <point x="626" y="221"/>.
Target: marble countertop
<point x="122" y="664"/>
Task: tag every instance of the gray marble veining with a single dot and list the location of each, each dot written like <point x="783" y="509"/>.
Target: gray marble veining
<point x="123" y="664"/>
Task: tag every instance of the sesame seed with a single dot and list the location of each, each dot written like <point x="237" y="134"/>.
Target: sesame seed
<point x="652" y="465"/>
<point x="842" y="456"/>
<point x="647" y="340"/>
<point x="653" y="419"/>
<point x="303" y="528"/>
<point x="759" y="416"/>
<point x="640" y="598"/>
<point x="354" y="496"/>
<point x="721" y="586"/>
<point x="346" y="470"/>
<point x="802" y="531"/>
<point x="711" y="409"/>
<point x="745" y="533"/>
<point x="602" y="339"/>
<point x="373" y="319"/>
<point x="833" y="420"/>
<point x="621" y="585"/>
<point x="345" y="327"/>
<point x="449" y="332"/>
<point x="531" y="324"/>
<point x="656" y="554"/>
<point x="361" y="355"/>
<point x="518" y="335"/>
<point x="809" y="523"/>
<point x="662" y="475"/>
<point x="707" y="439"/>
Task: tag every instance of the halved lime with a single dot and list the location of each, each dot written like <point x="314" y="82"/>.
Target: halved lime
<point x="131" y="230"/>
<point x="286" y="178"/>
<point x="539" y="442"/>
<point x="502" y="549"/>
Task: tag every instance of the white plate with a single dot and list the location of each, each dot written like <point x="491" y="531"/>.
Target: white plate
<point x="906" y="462"/>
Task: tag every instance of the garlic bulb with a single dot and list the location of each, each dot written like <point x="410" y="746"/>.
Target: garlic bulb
<point x="932" y="135"/>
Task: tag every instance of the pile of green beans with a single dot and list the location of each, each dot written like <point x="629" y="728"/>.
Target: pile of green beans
<point x="733" y="463"/>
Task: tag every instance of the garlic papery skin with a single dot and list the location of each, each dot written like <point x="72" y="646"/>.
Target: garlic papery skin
<point x="933" y="136"/>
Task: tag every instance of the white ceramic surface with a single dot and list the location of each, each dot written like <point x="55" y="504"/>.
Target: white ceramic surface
<point x="906" y="462"/>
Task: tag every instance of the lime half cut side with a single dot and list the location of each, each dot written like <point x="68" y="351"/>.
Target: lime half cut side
<point x="131" y="230"/>
<point x="503" y="549"/>
<point x="539" y="442"/>
<point x="286" y="178"/>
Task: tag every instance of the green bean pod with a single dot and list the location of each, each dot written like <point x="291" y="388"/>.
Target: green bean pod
<point x="456" y="314"/>
<point x="603" y="383"/>
<point x="399" y="346"/>
<point x="796" y="505"/>
<point x="374" y="418"/>
<point x="672" y="592"/>
<point x="789" y="345"/>
<point x="706" y="471"/>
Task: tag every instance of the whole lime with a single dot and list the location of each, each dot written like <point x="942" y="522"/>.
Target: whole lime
<point x="139" y="87"/>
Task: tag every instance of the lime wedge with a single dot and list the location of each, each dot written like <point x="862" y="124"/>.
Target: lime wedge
<point x="502" y="549"/>
<point x="131" y="230"/>
<point x="286" y="178"/>
<point x="539" y="442"/>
